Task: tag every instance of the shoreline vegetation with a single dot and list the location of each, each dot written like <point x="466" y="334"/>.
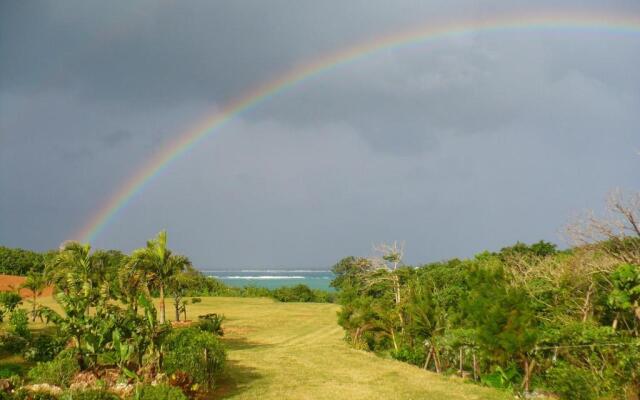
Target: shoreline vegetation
<point x="527" y="320"/>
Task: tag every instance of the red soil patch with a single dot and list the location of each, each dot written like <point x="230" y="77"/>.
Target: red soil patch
<point x="9" y="283"/>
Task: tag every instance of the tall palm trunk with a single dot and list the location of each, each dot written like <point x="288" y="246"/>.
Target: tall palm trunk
<point x="33" y="309"/>
<point x="163" y="316"/>
<point x="176" y="305"/>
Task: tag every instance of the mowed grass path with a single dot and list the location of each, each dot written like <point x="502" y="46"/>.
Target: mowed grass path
<point x="295" y="351"/>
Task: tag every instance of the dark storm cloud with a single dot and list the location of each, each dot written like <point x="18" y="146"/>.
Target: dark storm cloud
<point x="454" y="145"/>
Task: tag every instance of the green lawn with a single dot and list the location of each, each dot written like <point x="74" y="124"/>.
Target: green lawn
<point x="295" y="351"/>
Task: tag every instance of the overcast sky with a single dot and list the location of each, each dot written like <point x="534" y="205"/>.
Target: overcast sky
<point x="454" y="146"/>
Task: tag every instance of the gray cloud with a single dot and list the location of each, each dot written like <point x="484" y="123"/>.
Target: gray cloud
<point x="117" y="137"/>
<point x="454" y="145"/>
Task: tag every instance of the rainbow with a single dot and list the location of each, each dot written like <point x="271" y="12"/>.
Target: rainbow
<point x="182" y="143"/>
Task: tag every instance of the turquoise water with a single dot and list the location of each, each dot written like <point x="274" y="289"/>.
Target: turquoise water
<point x="274" y="278"/>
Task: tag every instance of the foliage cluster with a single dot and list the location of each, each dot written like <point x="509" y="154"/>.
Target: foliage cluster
<point x="14" y="261"/>
<point x="211" y="323"/>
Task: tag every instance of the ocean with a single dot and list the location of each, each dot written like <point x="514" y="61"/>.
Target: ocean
<point x="274" y="278"/>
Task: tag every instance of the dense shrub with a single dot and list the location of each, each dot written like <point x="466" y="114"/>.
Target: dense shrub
<point x="570" y="383"/>
<point x="12" y="344"/>
<point x="323" y="296"/>
<point x="44" y="348"/>
<point x="252" y="291"/>
<point x="211" y="323"/>
<point x="298" y="293"/>
<point x="19" y="323"/>
<point x="412" y="356"/>
<point x="9" y="369"/>
<point x="502" y="378"/>
<point x="20" y="261"/>
<point x="195" y="352"/>
<point x="8" y="302"/>
<point x="59" y="371"/>
<point x="158" y="392"/>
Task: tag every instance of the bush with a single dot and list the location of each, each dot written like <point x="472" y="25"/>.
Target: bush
<point x="9" y="370"/>
<point x="502" y="378"/>
<point x="44" y="348"/>
<point x="324" y="296"/>
<point x="409" y="355"/>
<point x="9" y="301"/>
<point x="195" y="352"/>
<point x="92" y="394"/>
<point x="211" y="323"/>
<point x="158" y="392"/>
<point x="12" y="344"/>
<point x="19" y="323"/>
<point x="570" y="382"/>
<point x="58" y="372"/>
<point x="298" y="293"/>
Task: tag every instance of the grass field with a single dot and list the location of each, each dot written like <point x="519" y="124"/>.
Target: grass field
<point x="295" y="351"/>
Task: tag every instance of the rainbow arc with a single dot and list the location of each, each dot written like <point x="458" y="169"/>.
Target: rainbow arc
<point x="568" y="21"/>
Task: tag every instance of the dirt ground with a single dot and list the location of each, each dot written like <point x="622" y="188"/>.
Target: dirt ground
<point x="12" y="282"/>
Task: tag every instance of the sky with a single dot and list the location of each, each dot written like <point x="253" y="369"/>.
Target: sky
<point x="453" y="146"/>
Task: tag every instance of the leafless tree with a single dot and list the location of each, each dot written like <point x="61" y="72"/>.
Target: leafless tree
<point x="619" y="227"/>
<point x="389" y="257"/>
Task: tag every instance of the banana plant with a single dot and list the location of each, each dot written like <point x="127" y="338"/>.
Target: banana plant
<point x="124" y="352"/>
<point x="149" y="334"/>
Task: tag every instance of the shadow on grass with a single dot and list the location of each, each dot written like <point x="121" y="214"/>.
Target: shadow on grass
<point x="242" y="343"/>
<point x="236" y="379"/>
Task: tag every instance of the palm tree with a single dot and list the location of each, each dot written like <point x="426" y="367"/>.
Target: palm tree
<point x="73" y="268"/>
<point x="35" y="282"/>
<point x="160" y="264"/>
<point x="132" y="281"/>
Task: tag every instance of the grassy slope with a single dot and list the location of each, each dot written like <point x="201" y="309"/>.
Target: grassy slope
<point x="296" y="351"/>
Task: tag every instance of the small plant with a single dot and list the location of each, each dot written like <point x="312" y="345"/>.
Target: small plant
<point x="211" y="323"/>
<point x="59" y="371"/>
<point x="19" y="323"/>
<point x="158" y="392"/>
<point x="502" y="378"/>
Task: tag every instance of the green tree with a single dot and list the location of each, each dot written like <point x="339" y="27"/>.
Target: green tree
<point x="502" y="317"/>
<point x="179" y="286"/>
<point x="8" y="302"/>
<point x="36" y="282"/>
<point x="160" y="264"/>
<point x="625" y="296"/>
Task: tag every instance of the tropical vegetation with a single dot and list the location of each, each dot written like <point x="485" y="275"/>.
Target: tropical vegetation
<point x="105" y="326"/>
<point x="528" y="318"/>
